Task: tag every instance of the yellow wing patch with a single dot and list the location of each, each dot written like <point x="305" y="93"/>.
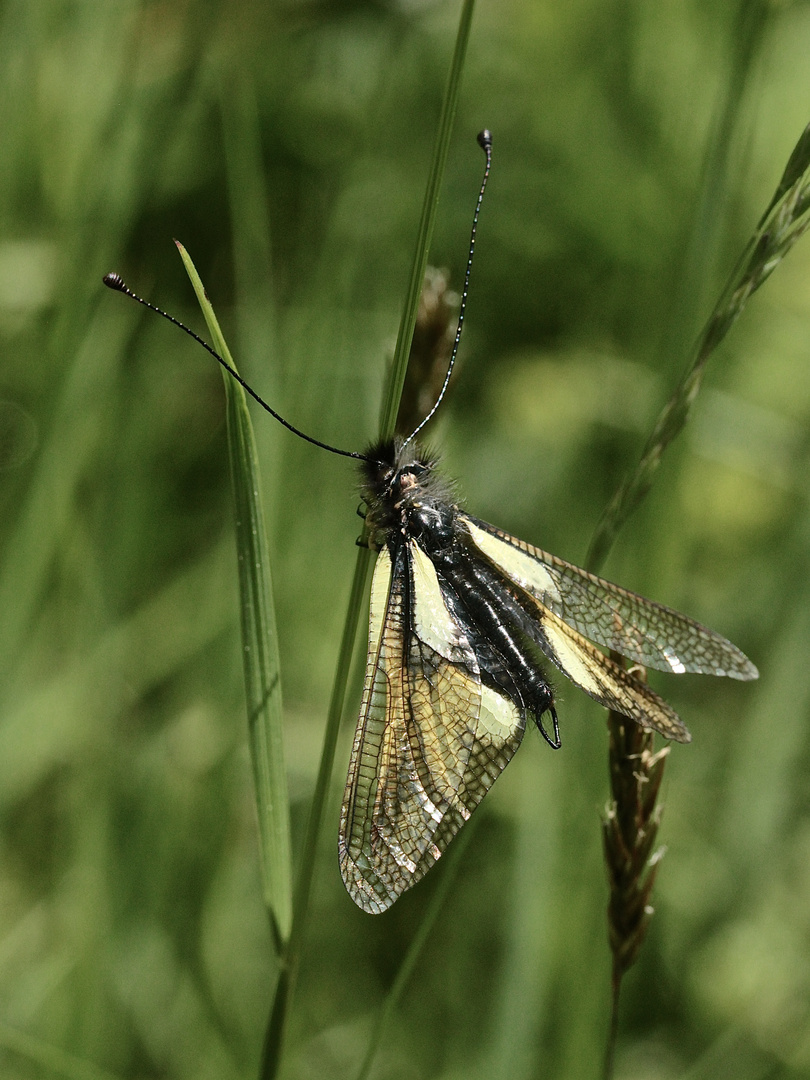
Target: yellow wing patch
<point x="613" y="617"/>
<point x="430" y="739"/>
<point x="608" y="682"/>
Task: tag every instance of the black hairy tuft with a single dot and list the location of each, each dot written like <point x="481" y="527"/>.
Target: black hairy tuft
<point x="395" y="480"/>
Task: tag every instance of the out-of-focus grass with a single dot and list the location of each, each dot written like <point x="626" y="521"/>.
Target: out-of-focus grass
<point x="288" y="145"/>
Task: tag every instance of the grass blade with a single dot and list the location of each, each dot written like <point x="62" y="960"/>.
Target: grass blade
<point x="259" y="641"/>
<point x="274" y="1038"/>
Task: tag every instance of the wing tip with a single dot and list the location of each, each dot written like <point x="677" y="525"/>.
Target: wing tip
<point x="674" y="732"/>
<point x="366" y="890"/>
<point x="746" y="672"/>
<point x="683" y="737"/>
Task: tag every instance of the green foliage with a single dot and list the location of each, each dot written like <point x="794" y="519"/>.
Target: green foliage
<point x="288" y="146"/>
<point x="259" y="637"/>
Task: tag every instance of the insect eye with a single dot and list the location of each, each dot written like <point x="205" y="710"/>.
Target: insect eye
<point x="385" y="481"/>
<point x="417" y="469"/>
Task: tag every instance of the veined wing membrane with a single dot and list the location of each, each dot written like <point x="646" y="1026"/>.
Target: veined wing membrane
<point x="613" y="617"/>
<point x="430" y="739"/>
<point x="605" y="681"/>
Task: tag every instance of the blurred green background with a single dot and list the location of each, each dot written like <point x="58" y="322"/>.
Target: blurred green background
<point x="287" y="145"/>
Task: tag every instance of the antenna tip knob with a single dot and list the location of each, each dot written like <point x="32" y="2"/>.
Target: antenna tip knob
<point x="114" y="281"/>
<point x="485" y="139"/>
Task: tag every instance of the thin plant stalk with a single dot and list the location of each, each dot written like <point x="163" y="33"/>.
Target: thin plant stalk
<point x="629" y="831"/>
<point x="450" y="867"/>
<point x="629" y="825"/>
<point x="441" y="148"/>
<point x="782" y="224"/>
<point x="279" y="1012"/>
<point x="276" y="1026"/>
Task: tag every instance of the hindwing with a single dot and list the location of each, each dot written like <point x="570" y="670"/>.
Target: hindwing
<point x="603" y="679"/>
<point x="613" y="617"/>
<point x="430" y="741"/>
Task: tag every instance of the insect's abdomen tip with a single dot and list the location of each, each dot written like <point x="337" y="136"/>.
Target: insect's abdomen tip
<point x="485" y="139"/>
<point x="114" y="281"/>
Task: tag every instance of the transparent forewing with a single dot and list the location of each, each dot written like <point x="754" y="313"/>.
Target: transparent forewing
<point x="605" y="681"/>
<point x="609" y="615"/>
<point x="430" y="738"/>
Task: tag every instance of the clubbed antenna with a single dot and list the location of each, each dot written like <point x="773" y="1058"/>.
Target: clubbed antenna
<point x="116" y="282"/>
<point x="485" y="142"/>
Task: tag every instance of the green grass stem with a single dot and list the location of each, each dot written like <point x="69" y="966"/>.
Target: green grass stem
<point x="276" y="1029"/>
<point x="441" y="148"/>
<point x="784" y="221"/>
<point x="450" y="865"/>
<point x="782" y="224"/>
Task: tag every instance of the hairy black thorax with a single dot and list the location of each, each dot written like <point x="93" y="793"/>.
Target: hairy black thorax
<point x="406" y="496"/>
<point x="409" y="501"/>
